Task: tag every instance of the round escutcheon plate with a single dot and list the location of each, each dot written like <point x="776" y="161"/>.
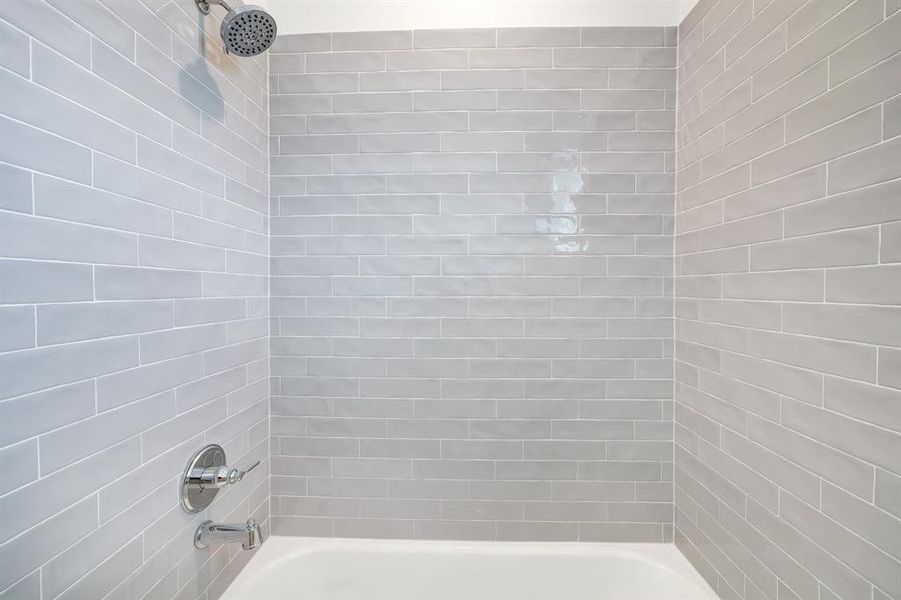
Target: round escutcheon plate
<point x="194" y="499"/>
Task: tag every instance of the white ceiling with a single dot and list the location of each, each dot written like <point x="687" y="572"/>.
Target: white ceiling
<point x="305" y="16"/>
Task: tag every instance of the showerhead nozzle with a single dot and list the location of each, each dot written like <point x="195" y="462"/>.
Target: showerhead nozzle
<point x="246" y="31"/>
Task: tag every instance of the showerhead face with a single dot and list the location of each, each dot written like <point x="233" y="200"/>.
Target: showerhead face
<point x="247" y="30"/>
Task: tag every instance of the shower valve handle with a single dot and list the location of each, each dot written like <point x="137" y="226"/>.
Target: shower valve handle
<point x="207" y="478"/>
<point x="234" y="475"/>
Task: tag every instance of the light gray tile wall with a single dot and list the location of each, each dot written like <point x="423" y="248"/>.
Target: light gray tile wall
<point x="788" y="324"/>
<point x="133" y="277"/>
<point x="472" y="284"/>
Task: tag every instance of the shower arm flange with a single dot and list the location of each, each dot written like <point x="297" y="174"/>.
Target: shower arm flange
<point x="204" y="5"/>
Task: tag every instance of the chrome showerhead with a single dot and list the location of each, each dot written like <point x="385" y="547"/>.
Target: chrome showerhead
<point x="246" y="31"/>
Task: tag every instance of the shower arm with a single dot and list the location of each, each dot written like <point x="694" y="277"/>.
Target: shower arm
<point x="204" y="5"/>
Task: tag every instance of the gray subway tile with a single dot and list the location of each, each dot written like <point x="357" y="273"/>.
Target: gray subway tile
<point x="400" y="81"/>
<point x="16" y="51"/>
<point x="853" y="247"/>
<point x="489" y="79"/>
<point x="33" y="504"/>
<point x="44" y="23"/>
<point x="127" y="180"/>
<point x="858" y="18"/>
<point x="71" y="202"/>
<point x="34" y="105"/>
<point x="454" y="38"/>
<point x="59" y="323"/>
<point x="538" y="37"/>
<point x="375" y="40"/>
<point x="19" y="330"/>
<point x="871" y="165"/>
<point x="16" y="185"/>
<point x="71" y="363"/>
<point x="34" y="149"/>
<point x="426" y="59"/>
<point x="842" y="138"/>
<point x="850" y="473"/>
<point x="28" y="237"/>
<point x="873" y="46"/>
<point x="504" y="58"/>
<point x="622" y="36"/>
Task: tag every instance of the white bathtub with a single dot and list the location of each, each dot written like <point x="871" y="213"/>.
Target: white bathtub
<point x="289" y="568"/>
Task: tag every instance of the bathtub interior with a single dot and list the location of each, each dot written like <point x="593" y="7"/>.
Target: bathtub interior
<point x="355" y="569"/>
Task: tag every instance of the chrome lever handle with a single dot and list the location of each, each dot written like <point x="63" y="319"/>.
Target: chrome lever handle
<point x="234" y="475"/>
<point x="217" y="477"/>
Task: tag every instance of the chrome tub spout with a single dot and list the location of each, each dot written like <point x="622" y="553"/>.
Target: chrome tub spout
<point x="249" y="534"/>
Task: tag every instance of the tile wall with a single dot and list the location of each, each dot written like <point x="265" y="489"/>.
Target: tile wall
<point x="133" y="282"/>
<point x="472" y="330"/>
<point x="471" y="283"/>
<point x="788" y="325"/>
